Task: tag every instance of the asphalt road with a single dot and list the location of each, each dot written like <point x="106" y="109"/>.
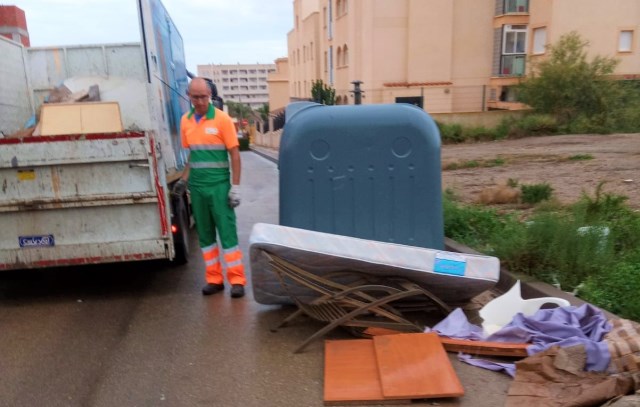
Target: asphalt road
<point x="141" y="334"/>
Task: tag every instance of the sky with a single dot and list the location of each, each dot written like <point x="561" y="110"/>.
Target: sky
<point x="213" y="31"/>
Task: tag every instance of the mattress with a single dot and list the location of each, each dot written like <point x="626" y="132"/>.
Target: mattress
<point x="453" y="277"/>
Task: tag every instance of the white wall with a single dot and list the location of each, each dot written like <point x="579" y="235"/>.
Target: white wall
<point x="15" y="102"/>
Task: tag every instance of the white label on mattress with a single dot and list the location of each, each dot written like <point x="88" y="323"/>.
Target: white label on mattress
<point x="450" y="263"/>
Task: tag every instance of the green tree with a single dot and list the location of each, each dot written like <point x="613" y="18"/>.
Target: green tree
<point x="264" y="112"/>
<point x="322" y="93"/>
<point x="238" y="110"/>
<point x="567" y="85"/>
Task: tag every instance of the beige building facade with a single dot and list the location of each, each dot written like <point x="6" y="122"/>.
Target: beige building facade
<point x="241" y="83"/>
<point x="278" y="85"/>
<point x="446" y="55"/>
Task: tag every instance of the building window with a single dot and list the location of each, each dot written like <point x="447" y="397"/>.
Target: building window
<point x="508" y="94"/>
<point x="339" y="57"/>
<point x="311" y="51"/>
<point x="331" y="65"/>
<point x="330" y="20"/>
<point x="345" y="55"/>
<point x="514" y="39"/>
<point x="539" y="40"/>
<point x="516" y="6"/>
<point x="326" y="62"/>
<point x="625" y="41"/>
<point x="324" y="17"/>
<point x="513" y="58"/>
<point x="341" y="8"/>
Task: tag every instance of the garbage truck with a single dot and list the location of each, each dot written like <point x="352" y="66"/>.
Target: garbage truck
<point x="73" y="194"/>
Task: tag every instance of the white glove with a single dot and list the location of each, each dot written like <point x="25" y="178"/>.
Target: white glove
<point x="234" y="196"/>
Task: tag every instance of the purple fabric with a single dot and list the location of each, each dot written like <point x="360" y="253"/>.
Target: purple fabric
<point x="456" y="325"/>
<point x="508" y="368"/>
<point x="562" y="326"/>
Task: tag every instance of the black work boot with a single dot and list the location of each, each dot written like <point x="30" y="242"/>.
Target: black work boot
<point x="237" y="291"/>
<point x="212" y="289"/>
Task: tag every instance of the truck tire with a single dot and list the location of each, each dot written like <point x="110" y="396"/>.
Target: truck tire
<point x="180" y="218"/>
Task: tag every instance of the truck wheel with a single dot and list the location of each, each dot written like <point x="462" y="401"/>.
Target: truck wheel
<point x="181" y="236"/>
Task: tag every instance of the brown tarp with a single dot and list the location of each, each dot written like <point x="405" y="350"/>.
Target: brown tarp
<point x="556" y="378"/>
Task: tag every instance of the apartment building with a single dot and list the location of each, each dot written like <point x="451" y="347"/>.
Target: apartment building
<point x="447" y="55"/>
<point x="242" y="83"/>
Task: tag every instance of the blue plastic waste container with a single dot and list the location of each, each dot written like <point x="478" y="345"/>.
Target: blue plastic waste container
<point x="367" y="171"/>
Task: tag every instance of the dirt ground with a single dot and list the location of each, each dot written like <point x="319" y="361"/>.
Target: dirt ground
<point x="533" y="160"/>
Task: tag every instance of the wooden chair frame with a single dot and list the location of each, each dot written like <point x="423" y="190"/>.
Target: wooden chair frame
<point x="359" y="305"/>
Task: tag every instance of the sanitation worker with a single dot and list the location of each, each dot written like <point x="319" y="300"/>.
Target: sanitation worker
<point x="211" y="138"/>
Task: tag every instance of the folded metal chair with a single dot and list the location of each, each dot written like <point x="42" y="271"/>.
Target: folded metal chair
<point x="357" y="305"/>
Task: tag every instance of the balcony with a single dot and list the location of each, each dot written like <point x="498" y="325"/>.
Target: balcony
<point x="516" y="6"/>
<point x="513" y="65"/>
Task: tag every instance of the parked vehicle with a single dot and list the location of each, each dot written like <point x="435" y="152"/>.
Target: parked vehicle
<point x="70" y="199"/>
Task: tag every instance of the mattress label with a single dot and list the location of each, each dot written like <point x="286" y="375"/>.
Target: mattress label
<point x="450" y="263"/>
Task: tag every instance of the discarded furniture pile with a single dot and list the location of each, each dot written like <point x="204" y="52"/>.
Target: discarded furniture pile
<point x="360" y="246"/>
<point x="374" y="290"/>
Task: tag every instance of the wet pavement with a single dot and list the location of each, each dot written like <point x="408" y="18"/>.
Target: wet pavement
<point x="141" y="334"/>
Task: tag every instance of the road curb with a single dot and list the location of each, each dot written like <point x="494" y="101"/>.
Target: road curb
<point x="264" y="154"/>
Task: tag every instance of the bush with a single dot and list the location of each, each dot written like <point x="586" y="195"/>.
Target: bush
<point x="451" y="133"/>
<point x="533" y="125"/>
<point x="566" y="85"/>
<point x="479" y="133"/>
<point x="603" y="269"/>
<point x="472" y="225"/>
<point x="583" y="124"/>
<point x="532" y="194"/>
<point x="615" y="289"/>
<point x="610" y="209"/>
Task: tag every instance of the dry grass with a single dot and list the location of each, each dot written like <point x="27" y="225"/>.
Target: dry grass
<point x="499" y="194"/>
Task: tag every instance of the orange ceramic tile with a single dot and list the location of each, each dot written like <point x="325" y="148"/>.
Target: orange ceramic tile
<point x="515" y="350"/>
<point x="415" y="366"/>
<point x="351" y="373"/>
